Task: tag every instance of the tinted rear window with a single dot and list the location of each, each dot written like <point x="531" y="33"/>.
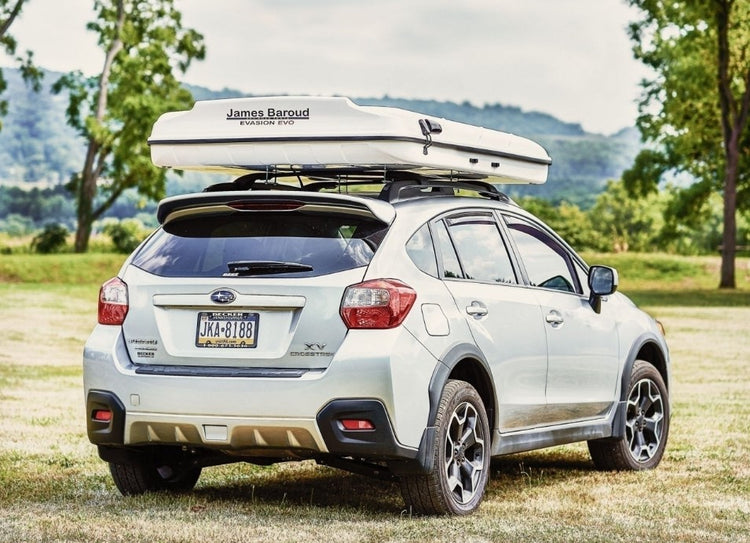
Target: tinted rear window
<point x="204" y="246"/>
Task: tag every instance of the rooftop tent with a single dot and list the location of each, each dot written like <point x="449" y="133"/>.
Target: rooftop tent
<point x="289" y="133"/>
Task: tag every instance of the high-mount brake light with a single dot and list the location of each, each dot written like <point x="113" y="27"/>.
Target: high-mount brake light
<point x="377" y="304"/>
<point x="279" y="205"/>
<point x="113" y="302"/>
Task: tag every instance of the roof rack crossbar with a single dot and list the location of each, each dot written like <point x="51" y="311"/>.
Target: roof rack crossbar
<point x="394" y="192"/>
<point x="397" y="184"/>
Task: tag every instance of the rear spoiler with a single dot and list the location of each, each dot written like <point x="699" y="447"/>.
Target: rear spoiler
<point x="188" y="204"/>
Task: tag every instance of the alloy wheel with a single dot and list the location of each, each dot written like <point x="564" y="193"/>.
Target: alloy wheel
<point x="645" y="417"/>
<point x="464" y="453"/>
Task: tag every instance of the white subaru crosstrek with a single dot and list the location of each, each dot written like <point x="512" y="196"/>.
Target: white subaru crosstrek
<point x="416" y="334"/>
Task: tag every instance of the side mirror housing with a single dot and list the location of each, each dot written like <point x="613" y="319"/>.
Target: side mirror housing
<point x="603" y="281"/>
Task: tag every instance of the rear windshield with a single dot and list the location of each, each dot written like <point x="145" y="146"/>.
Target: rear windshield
<point x="255" y="244"/>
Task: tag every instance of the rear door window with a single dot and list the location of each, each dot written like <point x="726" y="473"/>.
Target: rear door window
<point x="260" y="243"/>
<point x="472" y="248"/>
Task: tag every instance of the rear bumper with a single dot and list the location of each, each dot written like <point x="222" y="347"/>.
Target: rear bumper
<point x="274" y="417"/>
<point x="324" y="434"/>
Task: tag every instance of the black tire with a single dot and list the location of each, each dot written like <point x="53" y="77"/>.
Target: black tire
<point x="148" y="476"/>
<point x="461" y="461"/>
<point x="646" y="425"/>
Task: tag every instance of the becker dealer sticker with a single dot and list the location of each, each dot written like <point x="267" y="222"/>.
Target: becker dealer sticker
<point x="144" y="348"/>
<point x="268" y="116"/>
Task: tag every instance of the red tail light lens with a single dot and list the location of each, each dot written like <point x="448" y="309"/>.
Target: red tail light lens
<point x="102" y="415"/>
<point x="377" y="304"/>
<point x="280" y="205"/>
<point x="113" y="302"/>
<point x="357" y="425"/>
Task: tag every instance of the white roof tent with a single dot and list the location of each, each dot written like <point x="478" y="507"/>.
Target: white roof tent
<point x="299" y="134"/>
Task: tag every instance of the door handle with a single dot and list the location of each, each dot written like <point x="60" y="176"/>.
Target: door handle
<point x="477" y="309"/>
<point x="554" y="318"/>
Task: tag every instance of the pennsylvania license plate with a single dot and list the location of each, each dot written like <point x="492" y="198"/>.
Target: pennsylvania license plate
<point x="227" y="329"/>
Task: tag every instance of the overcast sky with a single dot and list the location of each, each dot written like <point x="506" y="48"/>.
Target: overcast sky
<point x="569" y="58"/>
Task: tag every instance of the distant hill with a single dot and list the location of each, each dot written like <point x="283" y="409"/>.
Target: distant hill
<point x="37" y="145"/>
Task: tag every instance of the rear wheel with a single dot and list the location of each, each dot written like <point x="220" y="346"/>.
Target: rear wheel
<point x="460" y="471"/>
<point x="150" y="476"/>
<point x="646" y="425"/>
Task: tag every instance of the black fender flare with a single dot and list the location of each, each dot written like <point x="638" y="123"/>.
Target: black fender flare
<point x="618" y="422"/>
<point x="642" y="340"/>
<point x="448" y="361"/>
<point x="424" y="460"/>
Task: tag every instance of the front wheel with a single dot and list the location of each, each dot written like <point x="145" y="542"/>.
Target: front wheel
<point x="646" y="425"/>
<point x="460" y="471"/>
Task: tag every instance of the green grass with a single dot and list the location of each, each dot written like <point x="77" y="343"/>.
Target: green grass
<point x="669" y="280"/>
<point x="68" y="269"/>
<point x="53" y="487"/>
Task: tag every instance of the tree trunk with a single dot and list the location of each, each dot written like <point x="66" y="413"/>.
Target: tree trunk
<point x="734" y="117"/>
<point x="83" y="230"/>
<point x="86" y="194"/>
<point x="729" y="235"/>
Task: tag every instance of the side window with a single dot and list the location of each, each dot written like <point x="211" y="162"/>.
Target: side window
<point x="479" y="248"/>
<point x="547" y="263"/>
<point x="421" y="251"/>
<point x="451" y="267"/>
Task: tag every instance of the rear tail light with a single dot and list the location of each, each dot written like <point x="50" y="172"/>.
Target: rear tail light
<point x="113" y="302"/>
<point x="377" y="304"/>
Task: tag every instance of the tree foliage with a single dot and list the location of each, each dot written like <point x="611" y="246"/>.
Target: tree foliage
<point x="628" y="223"/>
<point x="9" y="12"/>
<point x="126" y="234"/>
<point x="50" y="240"/>
<point x="145" y="44"/>
<point x="695" y="108"/>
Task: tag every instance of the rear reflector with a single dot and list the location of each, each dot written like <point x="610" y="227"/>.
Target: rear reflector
<point x="357" y="424"/>
<point x="377" y="304"/>
<point x="102" y="415"/>
<point x="113" y="302"/>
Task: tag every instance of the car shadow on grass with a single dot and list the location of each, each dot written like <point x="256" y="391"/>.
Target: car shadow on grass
<point x="318" y="487"/>
<point x="304" y="485"/>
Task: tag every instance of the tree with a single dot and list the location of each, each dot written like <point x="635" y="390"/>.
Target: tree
<point x="568" y="220"/>
<point x="9" y="11"/>
<point x="145" y="43"/>
<point x="695" y="109"/>
<point x="627" y="224"/>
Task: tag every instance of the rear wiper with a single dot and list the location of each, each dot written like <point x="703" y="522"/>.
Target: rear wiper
<point x="265" y="267"/>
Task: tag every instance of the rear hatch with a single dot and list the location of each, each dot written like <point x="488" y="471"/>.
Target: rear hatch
<point x="247" y="283"/>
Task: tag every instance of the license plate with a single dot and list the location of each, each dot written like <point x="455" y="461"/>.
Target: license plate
<point x="227" y="330"/>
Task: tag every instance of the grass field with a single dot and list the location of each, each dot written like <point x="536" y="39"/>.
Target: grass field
<point x="54" y="488"/>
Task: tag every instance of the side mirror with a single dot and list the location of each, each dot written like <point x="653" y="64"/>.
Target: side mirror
<point x="602" y="282"/>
